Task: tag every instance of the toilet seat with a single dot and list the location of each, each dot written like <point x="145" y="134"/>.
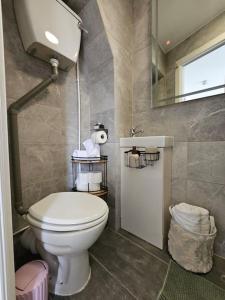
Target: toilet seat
<point x="65" y="228"/>
<point x="68" y="211"/>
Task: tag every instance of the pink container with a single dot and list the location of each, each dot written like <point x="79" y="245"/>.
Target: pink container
<point x="32" y="281"/>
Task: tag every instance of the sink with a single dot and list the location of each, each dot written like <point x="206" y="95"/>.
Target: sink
<point x="147" y="141"/>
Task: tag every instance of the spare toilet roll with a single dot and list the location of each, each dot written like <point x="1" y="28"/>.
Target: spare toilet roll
<point x="83" y="177"/>
<point x="99" y="137"/>
<point x="89" y="177"/>
<point x="83" y="187"/>
<point x="95" y="177"/>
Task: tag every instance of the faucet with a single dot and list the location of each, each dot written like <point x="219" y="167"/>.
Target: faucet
<point x="133" y="131"/>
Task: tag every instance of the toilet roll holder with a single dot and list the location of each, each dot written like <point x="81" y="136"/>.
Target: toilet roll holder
<point x="99" y="127"/>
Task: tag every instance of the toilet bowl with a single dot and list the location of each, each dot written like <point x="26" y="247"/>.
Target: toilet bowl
<point x="65" y="226"/>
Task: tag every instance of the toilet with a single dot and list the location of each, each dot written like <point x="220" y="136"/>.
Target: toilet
<point x="65" y="226"/>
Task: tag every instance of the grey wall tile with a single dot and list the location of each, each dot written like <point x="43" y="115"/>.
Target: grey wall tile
<point x="92" y="21"/>
<point x="212" y="197"/>
<point x="108" y="119"/>
<point x="142" y="64"/>
<point x="180" y="159"/>
<point x="118" y="20"/>
<point x="102" y="94"/>
<point x="142" y="24"/>
<point x="179" y="190"/>
<point x="205" y="161"/>
<point x="97" y="52"/>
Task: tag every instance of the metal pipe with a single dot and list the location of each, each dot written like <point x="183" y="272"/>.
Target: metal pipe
<point x="79" y="105"/>
<point x="13" y="111"/>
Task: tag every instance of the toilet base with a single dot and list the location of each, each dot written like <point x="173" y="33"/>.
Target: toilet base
<point x="73" y="274"/>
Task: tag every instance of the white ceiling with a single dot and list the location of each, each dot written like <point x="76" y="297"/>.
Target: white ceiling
<point x="179" y="19"/>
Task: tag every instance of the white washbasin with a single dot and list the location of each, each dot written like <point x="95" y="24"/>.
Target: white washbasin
<point x="147" y="141"/>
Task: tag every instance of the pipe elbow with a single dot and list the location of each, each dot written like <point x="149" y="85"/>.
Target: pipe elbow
<point x="21" y="210"/>
<point x="12" y="109"/>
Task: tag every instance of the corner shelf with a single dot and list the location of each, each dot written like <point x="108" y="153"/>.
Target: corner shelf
<point x="91" y="164"/>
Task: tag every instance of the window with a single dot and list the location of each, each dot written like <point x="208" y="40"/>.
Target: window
<point x="202" y="70"/>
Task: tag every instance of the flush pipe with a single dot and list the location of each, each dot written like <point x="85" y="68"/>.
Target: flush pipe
<point x="78" y="104"/>
<point x="13" y="111"/>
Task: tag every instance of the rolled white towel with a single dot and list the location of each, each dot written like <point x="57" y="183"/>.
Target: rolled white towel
<point x="198" y="228"/>
<point x="212" y="224"/>
<point x="192" y="218"/>
<point x="190" y="210"/>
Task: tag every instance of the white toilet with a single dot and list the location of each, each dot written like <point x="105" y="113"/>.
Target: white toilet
<point x="65" y="226"/>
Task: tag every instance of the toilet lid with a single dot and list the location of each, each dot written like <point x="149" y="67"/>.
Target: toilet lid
<point x="68" y="208"/>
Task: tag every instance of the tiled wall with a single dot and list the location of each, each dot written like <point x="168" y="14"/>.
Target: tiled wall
<point x="198" y="127"/>
<point x="47" y="127"/>
<point x="97" y="86"/>
<point x="106" y="81"/>
<point x="118" y="21"/>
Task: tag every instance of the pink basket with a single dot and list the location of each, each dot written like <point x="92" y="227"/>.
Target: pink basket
<point x="32" y="281"/>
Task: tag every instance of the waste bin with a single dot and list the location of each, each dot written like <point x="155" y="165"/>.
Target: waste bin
<point x="32" y="281"/>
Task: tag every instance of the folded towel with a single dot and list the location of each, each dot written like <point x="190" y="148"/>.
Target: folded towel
<point x="93" y="150"/>
<point x="80" y="153"/>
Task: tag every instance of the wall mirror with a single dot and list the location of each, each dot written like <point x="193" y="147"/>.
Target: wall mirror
<point x="188" y="50"/>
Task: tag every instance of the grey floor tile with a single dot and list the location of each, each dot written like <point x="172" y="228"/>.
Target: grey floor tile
<point x="161" y="254"/>
<point x="141" y="273"/>
<point x="217" y="275"/>
<point x="102" y="286"/>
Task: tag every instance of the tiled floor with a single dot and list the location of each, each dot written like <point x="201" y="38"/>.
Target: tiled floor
<point x="125" y="267"/>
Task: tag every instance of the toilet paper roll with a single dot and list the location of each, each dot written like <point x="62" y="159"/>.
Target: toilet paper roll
<point x="95" y="177"/>
<point x="83" y="177"/>
<point x="89" y="177"/>
<point x="99" y="137"/>
<point x="82" y="187"/>
<point x="93" y="187"/>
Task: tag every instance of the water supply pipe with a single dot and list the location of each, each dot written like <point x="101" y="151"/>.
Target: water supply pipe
<point x="13" y="111"/>
<point x="78" y="104"/>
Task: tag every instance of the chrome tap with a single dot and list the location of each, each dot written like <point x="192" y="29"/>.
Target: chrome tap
<point x="133" y="131"/>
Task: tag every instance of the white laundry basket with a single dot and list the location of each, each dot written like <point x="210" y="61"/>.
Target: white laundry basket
<point x="193" y="251"/>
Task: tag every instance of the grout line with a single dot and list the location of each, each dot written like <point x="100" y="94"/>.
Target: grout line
<point x="113" y="276"/>
<point x="203" y="181"/>
<point x="139" y="246"/>
<point x="221" y="257"/>
<point x="165" y="280"/>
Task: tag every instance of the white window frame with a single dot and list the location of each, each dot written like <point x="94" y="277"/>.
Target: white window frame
<point x="197" y="53"/>
<point x="7" y="273"/>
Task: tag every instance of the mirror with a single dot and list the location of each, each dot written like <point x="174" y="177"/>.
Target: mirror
<point x="188" y="50"/>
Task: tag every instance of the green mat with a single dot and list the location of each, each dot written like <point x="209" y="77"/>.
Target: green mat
<point x="183" y="285"/>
